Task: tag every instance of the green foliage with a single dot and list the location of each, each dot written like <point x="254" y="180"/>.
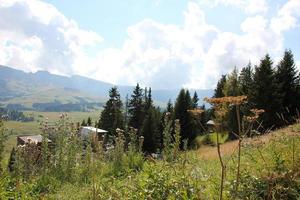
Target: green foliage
<point x="150" y="130"/>
<point x="3" y="139"/>
<point x="112" y="117"/>
<point x="288" y="86"/>
<point x="182" y="105"/>
<point x="220" y="86"/>
<point x="136" y="108"/>
<point x="211" y="139"/>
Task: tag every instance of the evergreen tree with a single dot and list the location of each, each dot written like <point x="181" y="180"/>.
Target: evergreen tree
<point x="220" y="86"/>
<point x="264" y="94"/>
<point x="170" y="107"/>
<point x="195" y="100"/>
<point x="89" y="121"/>
<point x="111" y="117"/>
<point x="183" y="104"/>
<point x="246" y="80"/>
<point x="231" y="86"/>
<point x="136" y="108"/>
<point x="83" y="123"/>
<point x="148" y="99"/>
<point x="287" y="79"/>
<point x="12" y="160"/>
<point x="151" y="124"/>
<point x="150" y="130"/>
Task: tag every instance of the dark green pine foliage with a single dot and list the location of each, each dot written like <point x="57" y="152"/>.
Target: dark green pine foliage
<point x="83" y="123"/>
<point x="287" y="79"/>
<point x="112" y="117"/>
<point x="264" y="94"/>
<point x="12" y="160"/>
<point x="220" y="86"/>
<point x="231" y="87"/>
<point x="89" y="121"/>
<point x="183" y="104"/>
<point x="246" y="80"/>
<point x="170" y="107"/>
<point x="195" y="100"/>
<point x="136" y="108"/>
<point x="151" y="125"/>
<point x="246" y="86"/>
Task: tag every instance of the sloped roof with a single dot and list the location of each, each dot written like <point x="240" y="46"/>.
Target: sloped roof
<point x="32" y="138"/>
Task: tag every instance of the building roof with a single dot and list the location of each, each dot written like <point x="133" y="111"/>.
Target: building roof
<point x="85" y="131"/>
<point x="92" y="129"/>
<point x="210" y="122"/>
<point x="32" y="138"/>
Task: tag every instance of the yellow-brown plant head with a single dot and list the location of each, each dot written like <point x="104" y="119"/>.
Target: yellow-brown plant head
<point x="195" y="111"/>
<point x="238" y="100"/>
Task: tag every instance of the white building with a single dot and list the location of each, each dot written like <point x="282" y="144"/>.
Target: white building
<point x="86" y="131"/>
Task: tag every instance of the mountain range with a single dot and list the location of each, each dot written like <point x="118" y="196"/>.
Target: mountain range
<point x="24" y="89"/>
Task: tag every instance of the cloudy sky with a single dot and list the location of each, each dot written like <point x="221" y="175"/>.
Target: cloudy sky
<point x="158" y="43"/>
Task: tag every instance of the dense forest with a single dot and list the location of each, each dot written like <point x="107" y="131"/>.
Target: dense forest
<point x="151" y="153"/>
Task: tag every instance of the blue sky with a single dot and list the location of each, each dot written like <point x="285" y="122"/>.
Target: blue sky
<point x="158" y="43"/>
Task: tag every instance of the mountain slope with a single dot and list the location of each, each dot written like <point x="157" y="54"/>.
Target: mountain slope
<point x="18" y="87"/>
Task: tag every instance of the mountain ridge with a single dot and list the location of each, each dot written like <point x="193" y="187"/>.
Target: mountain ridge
<point x="17" y="84"/>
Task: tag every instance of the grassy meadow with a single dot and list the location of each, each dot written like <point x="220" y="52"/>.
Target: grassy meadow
<point x="16" y="128"/>
<point x="270" y="170"/>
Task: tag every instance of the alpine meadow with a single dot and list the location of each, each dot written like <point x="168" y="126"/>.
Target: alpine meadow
<point x="154" y="100"/>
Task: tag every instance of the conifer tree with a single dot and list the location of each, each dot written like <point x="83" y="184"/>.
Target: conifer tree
<point x="183" y="104"/>
<point x="264" y="94"/>
<point x="150" y="130"/>
<point x="136" y="108"/>
<point x="83" y="123"/>
<point x="246" y="80"/>
<point x="89" y="121"/>
<point x="112" y="117"/>
<point x="170" y="107"/>
<point x="151" y="124"/>
<point x="220" y="86"/>
<point x="231" y="86"/>
<point x="195" y="100"/>
<point x="12" y="160"/>
<point x="287" y="79"/>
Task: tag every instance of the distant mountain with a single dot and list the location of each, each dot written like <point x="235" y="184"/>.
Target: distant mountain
<point x="18" y="87"/>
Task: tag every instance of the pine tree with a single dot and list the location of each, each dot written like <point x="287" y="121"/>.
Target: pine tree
<point x="195" y="100"/>
<point x="89" y="121"/>
<point x="220" y="86"/>
<point x="136" y="108"/>
<point x="183" y="104"/>
<point x="150" y="130"/>
<point x="246" y="80"/>
<point x="286" y="77"/>
<point x="83" y="123"/>
<point x="231" y="86"/>
<point x="264" y="94"/>
<point x="12" y="160"/>
<point x="112" y="117"/>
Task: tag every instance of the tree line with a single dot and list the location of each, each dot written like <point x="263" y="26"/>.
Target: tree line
<point x="139" y="112"/>
<point x="275" y="89"/>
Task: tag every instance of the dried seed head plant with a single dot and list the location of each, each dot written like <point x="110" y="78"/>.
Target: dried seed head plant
<point x="221" y="108"/>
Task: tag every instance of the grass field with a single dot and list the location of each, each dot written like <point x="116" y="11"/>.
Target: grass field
<point x="16" y="128"/>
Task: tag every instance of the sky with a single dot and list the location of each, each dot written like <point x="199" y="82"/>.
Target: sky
<point x="163" y="44"/>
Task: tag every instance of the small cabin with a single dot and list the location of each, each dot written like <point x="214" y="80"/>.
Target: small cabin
<point x="26" y="139"/>
<point x="87" y="131"/>
<point x="210" y="125"/>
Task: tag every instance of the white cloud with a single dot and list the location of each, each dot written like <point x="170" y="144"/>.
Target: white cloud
<point x="35" y="35"/>
<point x="248" y="6"/>
<point x="193" y="54"/>
<point x="287" y="16"/>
